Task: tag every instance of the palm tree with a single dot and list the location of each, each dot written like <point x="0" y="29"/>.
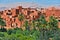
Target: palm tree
<point x="53" y="22"/>
<point x="2" y="22"/>
<point x="41" y="22"/>
<point x="21" y="17"/>
<point x="26" y="25"/>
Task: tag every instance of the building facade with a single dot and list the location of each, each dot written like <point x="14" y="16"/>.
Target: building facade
<point x="11" y="16"/>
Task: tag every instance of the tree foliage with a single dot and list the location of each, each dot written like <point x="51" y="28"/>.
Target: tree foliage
<point x="47" y="30"/>
<point x="2" y="23"/>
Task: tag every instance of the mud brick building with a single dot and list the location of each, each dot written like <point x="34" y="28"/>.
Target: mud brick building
<point x="10" y="16"/>
<point x="52" y="11"/>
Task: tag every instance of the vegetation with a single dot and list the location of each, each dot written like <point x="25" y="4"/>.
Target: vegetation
<point x="42" y="30"/>
<point x="21" y="17"/>
<point x="2" y="23"/>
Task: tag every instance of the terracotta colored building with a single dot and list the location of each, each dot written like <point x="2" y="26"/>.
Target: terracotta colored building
<point x="52" y="11"/>
<point x="11" y="15"/>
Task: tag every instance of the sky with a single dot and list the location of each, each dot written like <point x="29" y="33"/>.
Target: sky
<point x="39" y="2"/>
<point x="45" y="2"/>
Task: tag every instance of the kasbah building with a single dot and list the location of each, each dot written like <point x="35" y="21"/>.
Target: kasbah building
<point x="11" y="15"/>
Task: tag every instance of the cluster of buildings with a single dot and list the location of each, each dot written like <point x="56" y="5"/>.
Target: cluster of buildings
<point x="10" y="16"/>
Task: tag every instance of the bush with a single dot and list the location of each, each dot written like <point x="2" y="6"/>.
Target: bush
<point x="47" y="31"/>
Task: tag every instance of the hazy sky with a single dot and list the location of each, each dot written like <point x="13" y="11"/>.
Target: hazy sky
<point x="44" y="2"/>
